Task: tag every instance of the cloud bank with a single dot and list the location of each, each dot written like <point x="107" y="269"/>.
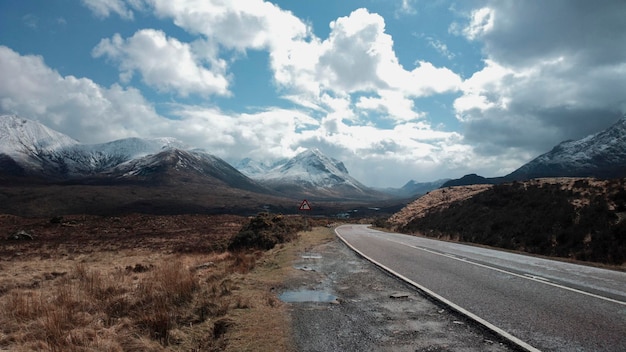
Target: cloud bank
<point x="550" y="71"/>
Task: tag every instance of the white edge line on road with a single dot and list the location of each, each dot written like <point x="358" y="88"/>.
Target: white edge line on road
<point x="525" y="276"/>
<point x="514" y="340"/>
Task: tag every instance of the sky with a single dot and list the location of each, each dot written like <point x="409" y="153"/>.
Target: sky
<point x="398" y="90"/>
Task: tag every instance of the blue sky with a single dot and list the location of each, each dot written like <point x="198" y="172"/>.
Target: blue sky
<point x="397" y="90"/>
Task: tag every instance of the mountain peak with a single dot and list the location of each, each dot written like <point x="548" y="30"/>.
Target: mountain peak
<point x="19" y="135"/>
<point x="601" y="155"/>
<point x="313" y="174"/>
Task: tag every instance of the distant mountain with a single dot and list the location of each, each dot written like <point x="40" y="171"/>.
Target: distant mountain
<point x="37" y="150"/>
<point x="31" y="151"/>
<point x="28" y="148"/>
<point x="472" y="179"/>
<point x="413" y="188"/>
<point x="602" y="155"/>
<point x="254" y="169"/>
<point x="315" y="175"/>
<point x="175" y="165"/>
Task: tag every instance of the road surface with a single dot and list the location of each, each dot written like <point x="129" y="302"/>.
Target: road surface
<point x="546" y="305"/>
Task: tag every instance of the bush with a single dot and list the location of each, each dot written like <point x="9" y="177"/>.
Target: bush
<point x="265" y="231"/>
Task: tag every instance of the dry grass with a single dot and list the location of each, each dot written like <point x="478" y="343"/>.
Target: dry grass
<point x="438" y="198"/>
<point x="157" y="306"/>
<point x="266" y="326"/>
<point x="104" y="295"/>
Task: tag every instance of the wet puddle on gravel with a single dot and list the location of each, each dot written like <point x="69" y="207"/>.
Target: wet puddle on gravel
<point x="301" y="296"/>
<point x="309" y="262"/>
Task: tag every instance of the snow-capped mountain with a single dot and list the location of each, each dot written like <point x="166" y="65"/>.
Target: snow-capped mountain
<point x="28" y="148"/>
<point x="313" y="174"/>
<point x="28" y="143"/>
<point x="41" y="151"/>
<point x="254" y="169"/>
<point x="172" y="165"/>
<point x="601" y="155"/>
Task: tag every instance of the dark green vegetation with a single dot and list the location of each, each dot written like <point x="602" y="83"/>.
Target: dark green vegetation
<point x="267" y="230"/>
<point x="584" y="222"/>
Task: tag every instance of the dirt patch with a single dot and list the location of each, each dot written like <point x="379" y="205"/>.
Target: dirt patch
<point x="370" y="310"/>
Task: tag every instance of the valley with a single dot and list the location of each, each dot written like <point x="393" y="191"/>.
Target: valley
<point x="105" y="221"/>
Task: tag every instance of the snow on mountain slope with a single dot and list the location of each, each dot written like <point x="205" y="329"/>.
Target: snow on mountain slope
<point x="600" y="155"/>
<point x="21" y="139"/>
<point x="172" y="165"/>
<point x="252" y="168"/>
<point x="94" y="158"/>
<point x="311" y="173"/>
<point x="311" y="167"/>
<point x="41" y="150"/>
<point x="31" y="149"/>
<point x="256" y="169"/>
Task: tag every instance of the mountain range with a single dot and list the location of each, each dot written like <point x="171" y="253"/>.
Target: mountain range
<point x="32" y="150"/>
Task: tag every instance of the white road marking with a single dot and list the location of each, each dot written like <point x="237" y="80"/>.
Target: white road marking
<point x="522" y="344"/>
<point x="524" y="276"/>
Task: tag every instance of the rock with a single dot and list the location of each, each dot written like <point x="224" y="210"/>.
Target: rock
<point x="399" y="295"/>
<point x="20" y="236"/>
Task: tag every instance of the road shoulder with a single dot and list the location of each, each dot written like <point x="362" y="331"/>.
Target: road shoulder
<point x="360" y="307"/>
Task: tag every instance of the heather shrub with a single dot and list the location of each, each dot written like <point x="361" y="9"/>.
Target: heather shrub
<point x="266" y="230"/>
<point x="539" y="219"/>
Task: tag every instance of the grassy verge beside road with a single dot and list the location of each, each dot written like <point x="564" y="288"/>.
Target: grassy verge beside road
<point x="136" y="283"/>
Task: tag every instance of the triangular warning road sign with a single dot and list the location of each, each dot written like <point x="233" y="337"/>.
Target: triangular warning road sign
<point x="305" y="205"/>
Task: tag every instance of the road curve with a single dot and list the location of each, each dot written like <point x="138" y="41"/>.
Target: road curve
<point x="540" y="304"/>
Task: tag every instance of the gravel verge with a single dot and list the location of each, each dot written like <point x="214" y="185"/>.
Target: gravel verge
<point x="338" y="301"/>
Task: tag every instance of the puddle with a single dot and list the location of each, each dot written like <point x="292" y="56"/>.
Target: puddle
<point x="306" y="296"/>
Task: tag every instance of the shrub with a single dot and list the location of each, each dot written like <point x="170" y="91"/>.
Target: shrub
<point x="265" y="231"/>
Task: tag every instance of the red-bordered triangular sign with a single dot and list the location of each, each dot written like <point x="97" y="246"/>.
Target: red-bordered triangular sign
<point x="305" y="205"/>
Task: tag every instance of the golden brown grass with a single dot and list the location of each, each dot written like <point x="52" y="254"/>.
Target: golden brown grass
<point x="160" y="305"/>
<point x="265" y="326"/>
<point x="147" y="299"/>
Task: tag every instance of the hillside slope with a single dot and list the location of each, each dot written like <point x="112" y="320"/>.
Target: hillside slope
<point x="574" y="218"/>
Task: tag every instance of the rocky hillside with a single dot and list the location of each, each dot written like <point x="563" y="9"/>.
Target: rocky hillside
<point x="576" y="218"/>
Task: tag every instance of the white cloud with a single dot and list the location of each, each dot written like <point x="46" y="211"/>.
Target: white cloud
<point x="104" y="8"/>
<point x="75" y="106"/>
<point x="441" y="47"/>
<point x="92" y="114"/>
<point x="481" y="22"/>
<point x="406" y="7"/>
<point x="30" y="21"/>
<point x="164" y="63"/>
<point x="390" y="103"/>
<point x="553" y="71"/>
<point x="238" y="24"/>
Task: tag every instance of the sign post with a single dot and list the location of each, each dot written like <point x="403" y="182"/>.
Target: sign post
<point x="305" y="206"/>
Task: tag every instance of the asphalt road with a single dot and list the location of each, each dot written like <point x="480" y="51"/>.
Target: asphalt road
<point x="547" y="305"/>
